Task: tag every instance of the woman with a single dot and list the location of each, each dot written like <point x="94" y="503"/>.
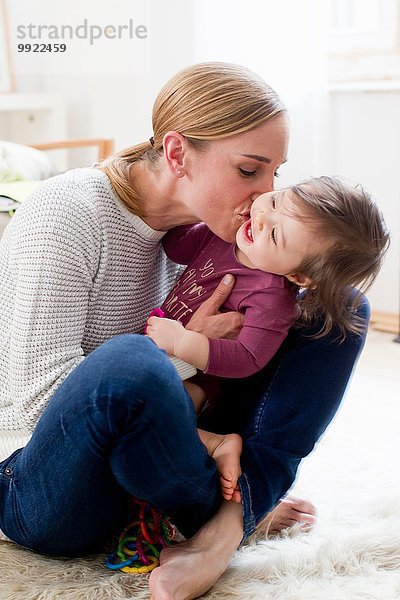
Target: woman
<point x="82" y="265"/>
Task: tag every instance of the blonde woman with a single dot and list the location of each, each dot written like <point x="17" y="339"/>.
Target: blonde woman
<point x="105" y="413"/>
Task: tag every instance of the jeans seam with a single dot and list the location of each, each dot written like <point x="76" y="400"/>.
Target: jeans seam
<point x="17" y="510"/>
<point x="263" y="405"/>
<point x="249" y="521"/>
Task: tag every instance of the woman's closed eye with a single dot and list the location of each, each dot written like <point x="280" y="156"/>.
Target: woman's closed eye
<point x="247" y="173"/>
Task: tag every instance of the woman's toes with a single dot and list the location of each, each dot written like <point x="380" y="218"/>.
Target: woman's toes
<point x="287" y="513"/>
<point x="301" y="505"/>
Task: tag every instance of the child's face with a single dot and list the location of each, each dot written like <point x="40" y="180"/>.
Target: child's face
<point x="274" y="239"/>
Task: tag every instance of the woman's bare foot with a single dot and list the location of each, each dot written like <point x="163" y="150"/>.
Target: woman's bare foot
<point x="287" y="513"/>
<point x="189" y="569"/>
<point x="226" y="451"/>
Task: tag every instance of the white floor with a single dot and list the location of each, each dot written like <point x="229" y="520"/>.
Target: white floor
<point x="365" y="434"/>
<point x="353" y="476"/>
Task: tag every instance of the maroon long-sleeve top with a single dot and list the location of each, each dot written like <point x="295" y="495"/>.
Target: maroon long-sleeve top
<point x="267" y="301"/>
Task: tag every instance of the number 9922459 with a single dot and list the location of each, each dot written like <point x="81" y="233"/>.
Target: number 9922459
<point x="42" y="47"/>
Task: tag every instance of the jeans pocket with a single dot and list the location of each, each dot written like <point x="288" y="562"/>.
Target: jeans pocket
<point x="11" y="522"/>
<point x="7" y="466"/>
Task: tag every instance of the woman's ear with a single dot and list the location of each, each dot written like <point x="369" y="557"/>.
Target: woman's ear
<point x="174" y="150"/>
<point x="301" y="280"/>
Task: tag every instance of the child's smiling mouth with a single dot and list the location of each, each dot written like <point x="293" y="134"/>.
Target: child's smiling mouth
<point x="248" y="232"/>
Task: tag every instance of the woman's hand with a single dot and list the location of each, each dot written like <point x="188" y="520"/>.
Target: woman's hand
<point x="210" y="322"/>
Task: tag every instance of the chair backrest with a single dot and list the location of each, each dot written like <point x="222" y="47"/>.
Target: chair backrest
<point x="18" y="161"/>
<point x="105" y="146"/>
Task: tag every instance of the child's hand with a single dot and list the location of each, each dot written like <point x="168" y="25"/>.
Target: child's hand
<point x="166" y="333"/>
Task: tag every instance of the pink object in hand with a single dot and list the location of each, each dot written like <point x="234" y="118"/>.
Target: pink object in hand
<point x="156" y="312"/>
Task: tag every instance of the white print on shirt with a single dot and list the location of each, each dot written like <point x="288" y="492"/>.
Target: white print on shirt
<point x="188" y="286"/>
<point x="208" y="269"/>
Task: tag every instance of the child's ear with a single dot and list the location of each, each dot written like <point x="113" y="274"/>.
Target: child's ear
<point x="301" y="280"/>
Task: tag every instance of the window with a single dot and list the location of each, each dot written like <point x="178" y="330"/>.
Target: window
<point x="363" y="26"/>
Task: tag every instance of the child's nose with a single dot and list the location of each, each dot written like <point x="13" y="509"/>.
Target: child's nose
<point x="262" y="220"/>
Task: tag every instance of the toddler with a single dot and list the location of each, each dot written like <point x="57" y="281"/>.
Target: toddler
<point x="322" y="236"/>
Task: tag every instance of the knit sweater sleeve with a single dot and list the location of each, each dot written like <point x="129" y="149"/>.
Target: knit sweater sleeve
<point x="55" y="253"/>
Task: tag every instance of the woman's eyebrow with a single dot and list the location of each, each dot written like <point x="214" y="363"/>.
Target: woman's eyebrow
<point x="262" y="159"/>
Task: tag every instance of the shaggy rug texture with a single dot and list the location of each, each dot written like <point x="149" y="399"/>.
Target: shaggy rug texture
<point x="352" y="554"/>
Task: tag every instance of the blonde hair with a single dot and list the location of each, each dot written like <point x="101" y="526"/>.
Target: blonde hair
<point x="204" y="102"/>
<point x="348" y="219"/>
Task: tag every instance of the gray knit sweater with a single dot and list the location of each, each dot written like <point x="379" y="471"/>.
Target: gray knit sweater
<point x="76" y="268"/>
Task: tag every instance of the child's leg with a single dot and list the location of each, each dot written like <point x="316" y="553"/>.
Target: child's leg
<point x="197" y="394"/>
<point x="226" y="451"/>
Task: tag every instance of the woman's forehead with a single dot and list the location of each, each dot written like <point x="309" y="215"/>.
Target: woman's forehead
<point x="263" y="143"/>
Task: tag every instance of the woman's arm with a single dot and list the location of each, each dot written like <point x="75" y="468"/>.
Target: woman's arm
<point x="51" y="252"/>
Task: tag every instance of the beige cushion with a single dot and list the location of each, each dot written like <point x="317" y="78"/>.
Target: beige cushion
<point x="23" y="162"/>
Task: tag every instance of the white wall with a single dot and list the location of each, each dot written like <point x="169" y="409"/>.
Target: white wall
<point x="283" y="41"/>
<point x="366" y="149"/>
<point x="102" y="103"/>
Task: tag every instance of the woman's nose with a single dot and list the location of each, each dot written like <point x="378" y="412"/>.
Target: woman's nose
<point x="266" y="189"/>
<point x="267" y="185"/>
<point x="270" y="183"/>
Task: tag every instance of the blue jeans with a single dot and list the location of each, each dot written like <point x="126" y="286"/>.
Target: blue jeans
<point x="122" y="424"/>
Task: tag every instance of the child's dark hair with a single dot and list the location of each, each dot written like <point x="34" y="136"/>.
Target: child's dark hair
<point x="348" y="217"/>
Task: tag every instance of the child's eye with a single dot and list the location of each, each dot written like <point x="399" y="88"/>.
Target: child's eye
<point x="277" y="174"/>
<point x="273" y="236"/>
<point x="273" y="202"/>
<point x="247" y="173"/>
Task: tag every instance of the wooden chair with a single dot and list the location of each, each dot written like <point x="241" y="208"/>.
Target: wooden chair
<point x="105" y="146"/>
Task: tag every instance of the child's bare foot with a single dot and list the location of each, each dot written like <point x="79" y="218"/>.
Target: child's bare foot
<point x="226" y="451"/>
<point x="227" y="456"/>
<point x="288" y="512"/>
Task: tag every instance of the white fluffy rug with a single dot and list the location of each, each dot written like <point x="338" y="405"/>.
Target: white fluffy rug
<point x="352" y="554"/>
